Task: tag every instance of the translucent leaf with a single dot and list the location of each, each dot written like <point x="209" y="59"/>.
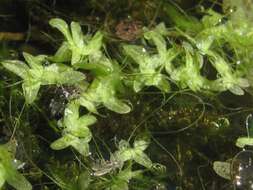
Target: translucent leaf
<point x="30" y="89"/>
<point x="63" y="54"/>
<point x="76" y="56"/>
<point x="33" y="61"/>
<point x="62" y="142"/>
<point x="142" y="159"/>
<point x="58" y="73"/>
<point x="123" y="144"/>
<point x="81" y="145"/>
<point x="18" y="181"/>
<point x="88" y="105"/>
<point x="141" y="144"/>
<point x="236" y="90"/>
<point x="97" y="68"/>
<point x="139" y="84"/>
<point x="137" y="53"/>
<point x="77" y="34"/>
<point x="9" y="173"/>
<point x="170" y="55"/>
<point x="116" y="105"/>
<point x="72" y="77"/>
<point x="87" y="120"/>
<point x="159" y="81"/>
<point x="205" y="44"/>
<point x="62" y="26"/>
<point x="80" y="131"/>
<point x="94" y="44"/>
<point x="222" y="169"/>
<point x="242" y="82"/>
<point x="156" y="36"/>
<point x="243" y="141"/>
<point x="17" y="67"/>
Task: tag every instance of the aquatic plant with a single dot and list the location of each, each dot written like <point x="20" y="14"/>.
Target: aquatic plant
<point x="9" y="166"/>
<point x="165" y="58"/>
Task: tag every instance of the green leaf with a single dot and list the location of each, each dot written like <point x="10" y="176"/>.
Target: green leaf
<point x="17" y="180"/>
<point x="58" y="73"/>
<point x="80" y="144"/>
<point x="77" y="34"/>
<point x="141" y="144"/>
<point x="9" y="173"/>
<point x="236" y="90"/>
<point x="244" y="141"/>
<point x="142" y="159"/>
<point x="30" y="89"/>
<point x="76" y="57"/>
<point x="136" y="153"/>
<point x="80" y="129"/>
<point x="116" y="105"/>
<point x="62" y="142"/>
<point x="63" y="54"/>
<point x="17" y="67"/>
<point x="62" y="26"/>
<point x="89" y="105"/>
<point x="94" y="45"/>
<point x="35" y="62"/>
<point x="137" y="53"/>
<point x="223" y="169"/>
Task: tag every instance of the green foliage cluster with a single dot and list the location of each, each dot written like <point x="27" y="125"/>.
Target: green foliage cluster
<point x="164" y="56"/>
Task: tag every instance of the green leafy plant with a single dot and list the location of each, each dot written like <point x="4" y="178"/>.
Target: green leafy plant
<point x="163" y="56"/>
<point x="79" y="45"/>
<point x="136" y="153"/>
<point x="8" y="168"/>
<point x="36" y="74"/>
<point x="75" y="130"/>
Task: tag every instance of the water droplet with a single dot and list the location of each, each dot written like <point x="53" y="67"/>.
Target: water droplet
<point x="238" y="62"/>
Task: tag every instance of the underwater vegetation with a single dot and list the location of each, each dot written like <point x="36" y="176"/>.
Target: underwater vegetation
<point x="143" y="102"/>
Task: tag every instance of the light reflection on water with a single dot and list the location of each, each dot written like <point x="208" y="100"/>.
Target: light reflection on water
<point x="242" y="170"/>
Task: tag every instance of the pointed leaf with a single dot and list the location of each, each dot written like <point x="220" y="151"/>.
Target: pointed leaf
<point x="76" y="57"/>
<point x="63" y="54"/>
<point x="62" y="142"/>
<point x="77" y="34"/>
<point x="236" y="90"/>
<point x="141" y="144"/>
<point x="94" y="44"/>
<point x="90" y="106"/>
<point x="17" y="67"/>
<point x="30" y="89"/>
<point x="116" y="105"/>
<point x="63" y="27"/>
<point x="142" y="159"/>
<point x="18" y="181"/>
<point x="35" y="62"/>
